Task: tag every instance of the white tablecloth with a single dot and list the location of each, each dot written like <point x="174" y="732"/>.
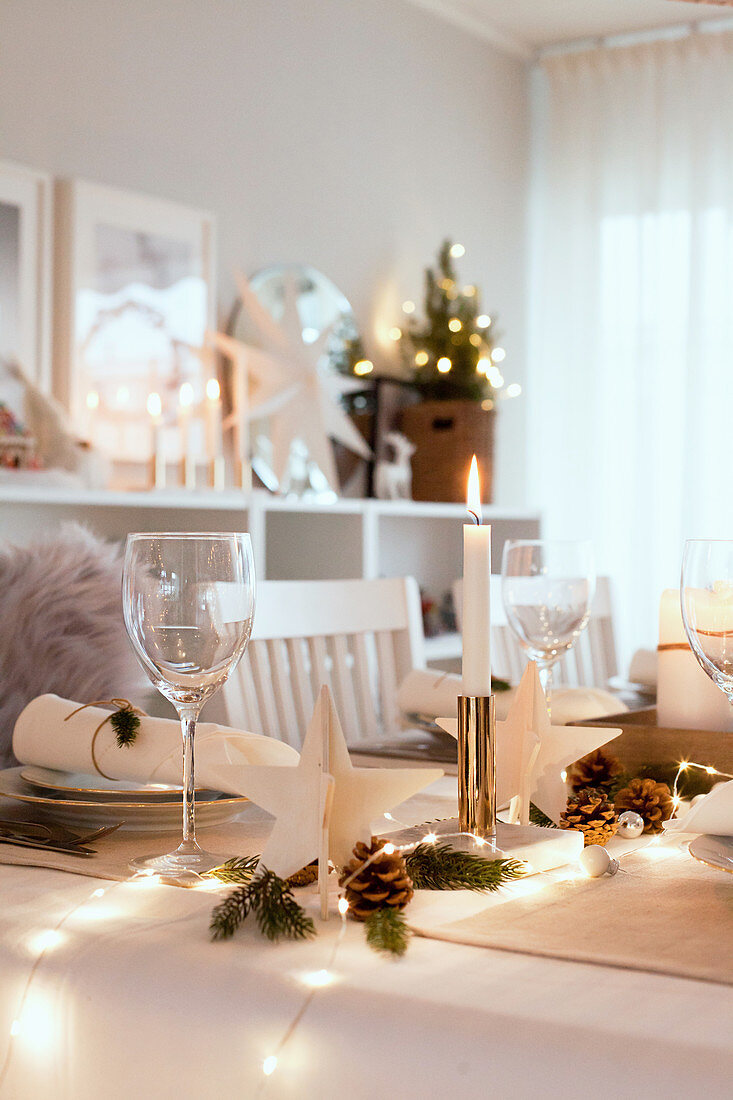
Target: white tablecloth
<point x="136" y="1001"/>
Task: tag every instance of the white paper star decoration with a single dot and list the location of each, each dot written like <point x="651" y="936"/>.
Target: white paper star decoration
<point x="532" y="754"/>
<point x="291" y="386"/>
<point x="323" y="784"/>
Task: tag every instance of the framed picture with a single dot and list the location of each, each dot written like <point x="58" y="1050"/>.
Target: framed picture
<point x="135" y="296"/>
<point x="25" y="270"/>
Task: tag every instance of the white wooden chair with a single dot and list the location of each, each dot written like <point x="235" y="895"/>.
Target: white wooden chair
<point x="590" y="663"/>
<point x="361" y="637"/>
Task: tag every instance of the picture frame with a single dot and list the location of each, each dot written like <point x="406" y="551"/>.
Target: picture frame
<point x="134" y="294"/>
<point x="25" y="271"/>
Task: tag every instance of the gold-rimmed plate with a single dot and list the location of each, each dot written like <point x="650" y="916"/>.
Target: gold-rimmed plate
<point x="96" y="786"/>
<point x="715" y="851"/>
<point x="140" y="815"/>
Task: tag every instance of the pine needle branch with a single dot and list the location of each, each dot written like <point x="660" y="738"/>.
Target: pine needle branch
<point x="230" y="913"/>
<point x="270" y="898"/>
<point x="440" y="867"/>
<point x="537" y="817"/>
<point x="126" y="725"/>
<point x="387" y="931"/>
<point x="235" y="871"/>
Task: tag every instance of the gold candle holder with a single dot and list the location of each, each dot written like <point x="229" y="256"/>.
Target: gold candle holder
<point x="477" y="765"/>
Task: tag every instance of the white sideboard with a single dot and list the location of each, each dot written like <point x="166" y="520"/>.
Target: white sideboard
<point x="293" y="539"/>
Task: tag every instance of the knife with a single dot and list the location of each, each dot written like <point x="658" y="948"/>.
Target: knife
<point x="41" y="847"/>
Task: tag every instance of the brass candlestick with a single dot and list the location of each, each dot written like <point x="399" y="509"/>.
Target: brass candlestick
<point x="477" y="765"/>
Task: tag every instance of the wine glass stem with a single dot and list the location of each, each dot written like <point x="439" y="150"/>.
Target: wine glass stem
<point x="545" y="674"/>
<point x="188" y="730"/>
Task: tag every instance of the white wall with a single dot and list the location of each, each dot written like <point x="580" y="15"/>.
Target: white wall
<point x="351" y="134"/>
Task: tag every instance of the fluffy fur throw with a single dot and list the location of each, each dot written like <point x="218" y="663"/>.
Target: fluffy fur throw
<point x="61" y="625"/>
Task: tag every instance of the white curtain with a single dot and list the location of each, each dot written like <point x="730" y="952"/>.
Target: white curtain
<point x="630" y="394"/>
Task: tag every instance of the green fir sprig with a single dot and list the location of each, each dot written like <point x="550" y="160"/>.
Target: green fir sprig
<point x="538" y="817"/>
<point x="387" y="931"/>
<point x="270" y="899"/>
<point x="440" y="867"/>
<point x="235" y="871"/>
<point x="126" y="724"/>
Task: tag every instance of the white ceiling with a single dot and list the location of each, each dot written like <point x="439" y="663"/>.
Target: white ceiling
<point x="526" y="26"/>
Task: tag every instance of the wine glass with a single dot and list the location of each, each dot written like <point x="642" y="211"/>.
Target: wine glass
<point x="706" y="596"/>
<point x="547" y="589"/>
<point x="188" y="602"/>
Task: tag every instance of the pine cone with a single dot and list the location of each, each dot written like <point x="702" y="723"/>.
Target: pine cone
<point x="598" y="770"/>
<point x="650" y="799"/>
<point x="592" y="814"/>
<point x="385" y="882"/>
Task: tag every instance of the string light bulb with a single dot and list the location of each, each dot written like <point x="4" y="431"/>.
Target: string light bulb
<point x="395" y="333"/>
<point x="343" y="906"/>
<point x="421" y="358"/>
<point x="408" y="307"/>
<point x="457" y="250"/>
<point x="513" y="390"/>
<point x="483" y="320"/>
<point x="269" y="1065"/>
<point x="498" y="355"/>
<point x="455" y="325"/>
<point x="444" y="364"/>
<point x="363" y="366"/>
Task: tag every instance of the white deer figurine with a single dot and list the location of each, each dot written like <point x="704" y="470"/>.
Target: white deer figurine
<point x="393" y="478"/>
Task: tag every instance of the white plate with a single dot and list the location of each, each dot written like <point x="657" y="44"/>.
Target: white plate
<point x="150" y="815"/>
<point x="96" y="786"/>
<point x="715" y="851"/>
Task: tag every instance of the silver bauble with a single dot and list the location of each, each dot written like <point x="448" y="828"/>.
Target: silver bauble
<point x="630" y="825"/>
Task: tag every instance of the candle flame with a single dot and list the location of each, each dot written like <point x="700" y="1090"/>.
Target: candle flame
<point x="213" y="390"/>
<point x="155" y="405"/>
<point x="185" y="395"/>
<point x="474" y="492"/>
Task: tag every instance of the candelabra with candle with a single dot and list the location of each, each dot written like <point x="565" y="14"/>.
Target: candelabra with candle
<point x="157" y="461"/>
<point x="476" y="712"/>
<point x="214" y="433"/>
<point x="185" y="410"/>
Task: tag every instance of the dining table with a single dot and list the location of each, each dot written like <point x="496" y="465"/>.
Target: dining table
<point x="112" y="987"/>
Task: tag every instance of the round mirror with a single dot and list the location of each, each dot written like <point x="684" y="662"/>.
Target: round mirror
<point x="319" y="302"/>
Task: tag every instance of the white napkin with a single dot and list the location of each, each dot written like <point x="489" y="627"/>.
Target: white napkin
<point x="712" y="815"/>
<point x="426" y="691"/>
<point x="643" y="668"/>
<point x="42" y="737"/>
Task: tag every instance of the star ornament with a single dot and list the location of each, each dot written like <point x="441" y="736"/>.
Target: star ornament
<point x="323" y="794"/>
<point x="532" y="754"/>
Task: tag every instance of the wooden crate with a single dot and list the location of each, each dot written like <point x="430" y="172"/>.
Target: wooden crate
<point x="446" y="434"/>
<point x="642" y="742"/>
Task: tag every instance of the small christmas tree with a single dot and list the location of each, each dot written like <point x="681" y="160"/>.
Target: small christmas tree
<point x="452" y="354"/>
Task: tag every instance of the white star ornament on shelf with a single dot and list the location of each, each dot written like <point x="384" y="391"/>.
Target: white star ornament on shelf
<point x="310" y="409"/>
<point x="532" y="754"/>
<point x="324" y="784"/>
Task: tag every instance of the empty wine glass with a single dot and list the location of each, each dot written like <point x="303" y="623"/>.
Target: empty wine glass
<point x="547" y="589"/>
<point x="188" y="602"/>
<point x="706" y="596"/>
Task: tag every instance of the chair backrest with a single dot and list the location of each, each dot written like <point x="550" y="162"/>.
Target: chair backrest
<point x="361" y="637"/>
<point x="590" y="663"/>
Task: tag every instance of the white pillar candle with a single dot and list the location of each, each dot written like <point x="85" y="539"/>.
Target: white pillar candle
<point x="686" y="696"/>
<point x="476" y="595"/>
<point x="214" y="441"/>
<point x="185" y="409"/>
<point x="243" y="475"/>
<point x="155" y="408"/>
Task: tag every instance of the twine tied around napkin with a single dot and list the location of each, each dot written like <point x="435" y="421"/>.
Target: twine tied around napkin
<point x="125" y="733"/>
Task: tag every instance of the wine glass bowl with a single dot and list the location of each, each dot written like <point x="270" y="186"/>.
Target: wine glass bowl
<point x="706" y="598"/>
<point x="547" y="590"/>
<point x="188" y="602"/>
